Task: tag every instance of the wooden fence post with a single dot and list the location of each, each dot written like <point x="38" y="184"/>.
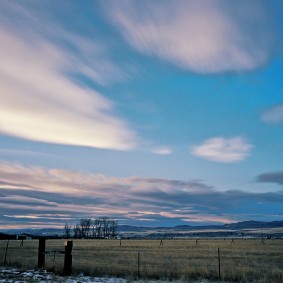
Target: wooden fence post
<point x="219" y="265"/>
<point x="68" y="258"/>
<point x="6" y="251"/>
<point x="41" y="252"/>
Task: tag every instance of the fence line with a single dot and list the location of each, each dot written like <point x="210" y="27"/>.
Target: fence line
<point x="134" y="259"/>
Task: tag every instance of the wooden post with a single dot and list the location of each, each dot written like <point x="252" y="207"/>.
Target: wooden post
<point x="219" y="265"/>
<point x="41" y="252"/>
<point x="6" y="251"/>
<point x="68" y="258"/>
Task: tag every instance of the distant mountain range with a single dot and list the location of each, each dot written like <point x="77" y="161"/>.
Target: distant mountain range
<point x="233" y="226"/>
<point x="184" y="230"/>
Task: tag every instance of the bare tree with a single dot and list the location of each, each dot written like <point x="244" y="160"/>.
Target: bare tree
<point x="67" y="231"/>
<point x="113" y="225"/>
<point x="88" y="223"/>
<point x="77" y="232"/>
<point x="102" y="227"/>
<point x="85" y="224"/>
<point x="99" y="227"/>
<point x="105" y="223"/>
<point x="96" y="228"/>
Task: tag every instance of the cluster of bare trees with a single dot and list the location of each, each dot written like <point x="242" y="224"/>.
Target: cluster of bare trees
<point x="102" y="227"/>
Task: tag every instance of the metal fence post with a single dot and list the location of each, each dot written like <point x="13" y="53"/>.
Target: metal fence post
<point x="6" y="251"/>
<point x="68" y="258"/>
<point x="41" y="252"/>
<point x="138" y="264"/>
<point x="219" y="264"/>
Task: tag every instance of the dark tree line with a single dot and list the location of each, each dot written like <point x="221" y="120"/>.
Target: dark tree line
<point x="102" y="227"/>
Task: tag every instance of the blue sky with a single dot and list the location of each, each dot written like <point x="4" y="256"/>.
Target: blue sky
<point x="155" y="113"/>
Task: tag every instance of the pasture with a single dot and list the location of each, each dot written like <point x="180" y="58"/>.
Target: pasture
<point x="242" y="260"/>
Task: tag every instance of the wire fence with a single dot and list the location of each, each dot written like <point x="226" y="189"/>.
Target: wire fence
<point x="240" y="260"/>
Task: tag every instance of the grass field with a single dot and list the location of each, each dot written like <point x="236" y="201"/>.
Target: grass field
<point x="243" y="260"/>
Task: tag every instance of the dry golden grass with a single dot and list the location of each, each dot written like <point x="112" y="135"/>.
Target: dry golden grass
<point x="241" y="260"/>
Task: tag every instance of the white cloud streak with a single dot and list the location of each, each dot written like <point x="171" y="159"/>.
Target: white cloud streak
<point x="40" y="103"/>
<point x="162" y="150"/>
<point x="200" y="36"/>
<point x="220" y="149"/>
<point x="43" y="194"/>
<point x="35" y="190"/>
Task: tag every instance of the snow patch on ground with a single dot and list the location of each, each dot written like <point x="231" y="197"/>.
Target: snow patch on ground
<point x="43" y="276"/>
<point x="13" y="275"/>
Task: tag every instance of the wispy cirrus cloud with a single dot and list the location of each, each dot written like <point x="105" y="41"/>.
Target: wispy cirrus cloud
<point x="274" y="115"/>
<point x="200" y="36"/>
<point x="87" y="56"/>
<point x="40" y="101"/>
<point x="220" y="149"/>
<point x="162" y="150"/>
<point x="40" y="195"/>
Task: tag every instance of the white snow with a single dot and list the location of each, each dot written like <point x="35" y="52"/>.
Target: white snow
<point x="12" y="275"/>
